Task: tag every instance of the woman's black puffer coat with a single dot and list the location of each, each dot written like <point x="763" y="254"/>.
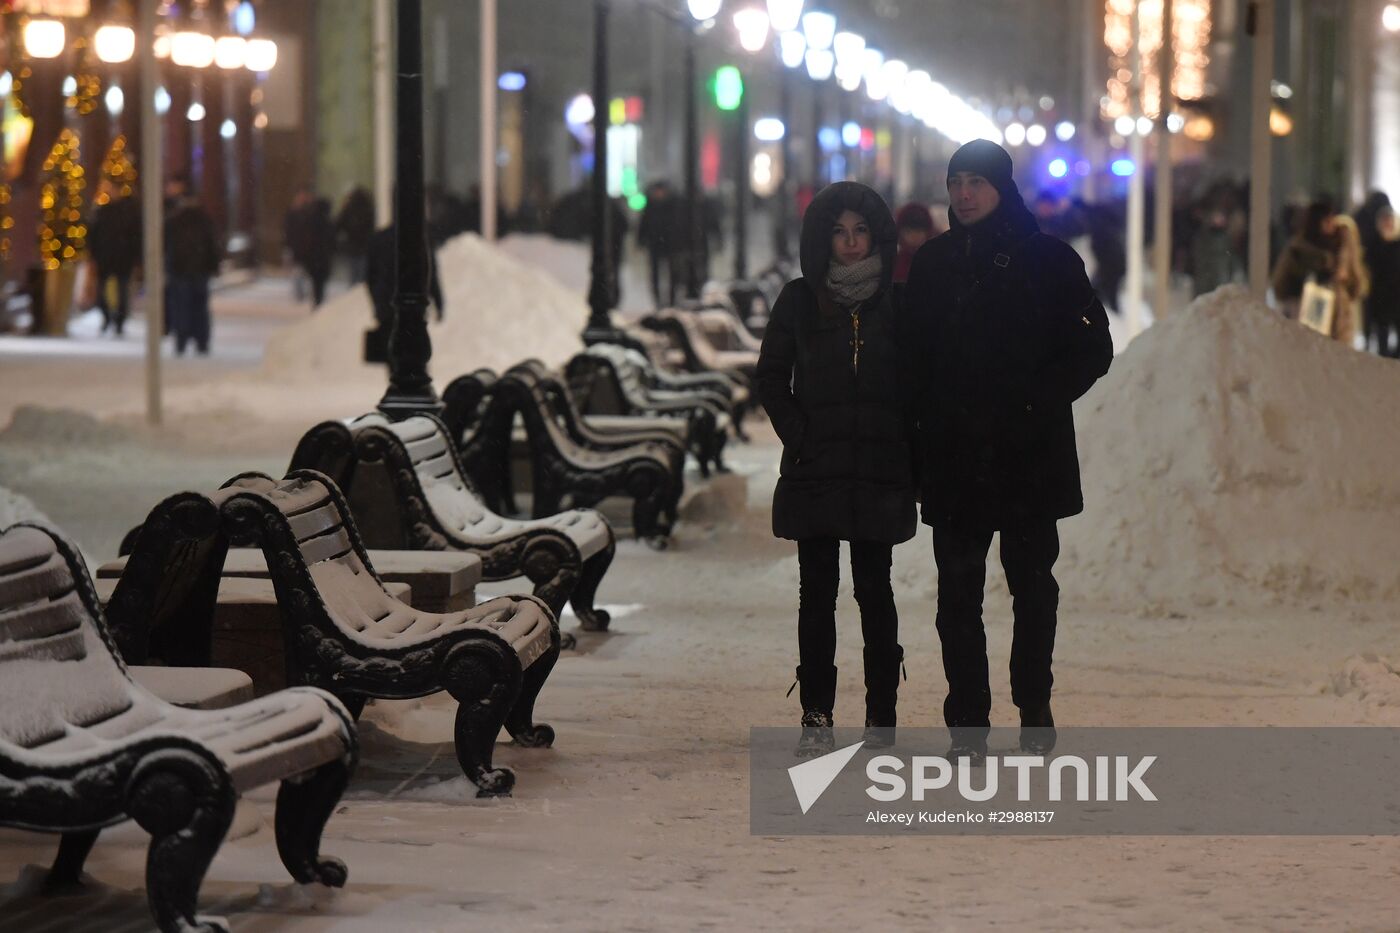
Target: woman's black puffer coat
<point x="847" y="468"/>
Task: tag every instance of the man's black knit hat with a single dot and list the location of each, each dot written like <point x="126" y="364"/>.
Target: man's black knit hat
<point x="984" y="157"/>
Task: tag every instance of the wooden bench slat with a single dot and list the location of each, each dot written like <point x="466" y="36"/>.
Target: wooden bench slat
<point x="23" y="548"/>
<point x="64" y="646"/>
<point x="317" y="521"/>
<point x="36" y="581"/>
<point x="426" y="448"/>
<point x="293" y="497"/>
<point x="326" y="547"/>
<point x="41" y="618"/>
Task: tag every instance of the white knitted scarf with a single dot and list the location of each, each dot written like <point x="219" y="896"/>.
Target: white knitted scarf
<point x="850" y="285"/>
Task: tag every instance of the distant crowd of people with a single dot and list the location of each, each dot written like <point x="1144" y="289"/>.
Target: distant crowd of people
<point x="1355" y="258"/>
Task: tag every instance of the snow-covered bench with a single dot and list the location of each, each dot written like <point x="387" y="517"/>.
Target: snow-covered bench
<point x="612" y="435"/>
<point x="83" y="747"/>
<point x="464" y="401"/>
<point x="567" y="474"/>
<point x="407" y="489"/>
<point x="684" y="330"/>
<point x="607" y="379"/>
<point x="342" y="630"/>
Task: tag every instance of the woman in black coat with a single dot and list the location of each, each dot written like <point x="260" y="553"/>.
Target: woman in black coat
<point x="827" y="376"/>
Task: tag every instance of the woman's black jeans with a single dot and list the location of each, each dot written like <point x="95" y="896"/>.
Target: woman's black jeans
<point x="820" y="573"/>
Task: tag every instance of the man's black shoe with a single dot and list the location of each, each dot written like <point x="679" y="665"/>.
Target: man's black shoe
<point x="1037" y="730"/>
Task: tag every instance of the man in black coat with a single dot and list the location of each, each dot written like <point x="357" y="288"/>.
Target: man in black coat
<point x="114" y="242"/>
<point x="1004" y="333"/>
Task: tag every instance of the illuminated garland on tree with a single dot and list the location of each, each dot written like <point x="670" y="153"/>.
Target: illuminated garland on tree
<point x="17" y="89"/>
<point x="87" y="83"/>
<point x="7" y="222"/>
<point x="117" y="168"/>
<point x="62" y="233"/>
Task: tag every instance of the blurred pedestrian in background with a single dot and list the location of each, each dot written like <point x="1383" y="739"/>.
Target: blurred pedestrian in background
<point x="1352" y="281"/>
<point x="1383" y="304"/>
<point x="192" y="256"/>
<point x="310" y="238"/>
<point x="114" y="242"/>
<point x="661" y="227"/>
<point x="916" y="227"/>
<point x="354" y="226"/>
<point x="1311" y="253"/>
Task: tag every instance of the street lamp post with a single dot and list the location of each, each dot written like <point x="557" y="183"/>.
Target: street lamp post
<point x="410" y="387"/>
<point x="782" y="241"/>
<point x="741" y="188"/>
<point x="695" y="234"/>
<point x="601" y="287"/>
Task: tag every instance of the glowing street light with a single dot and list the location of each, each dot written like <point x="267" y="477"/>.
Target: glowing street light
<point x="849" y="47"/>
<point x="892" y="75"/>
<point x="114" y="44"/>
<point x="1064" y="131"/>
<point x="1015" y="134"/>
<point x="793" y="47"/>
<point x="1390" y="17"/>
<point x="1035" y="135"/>
<point x="785" y="14"/>
<point x="820" y="29"/>
<point x="115" y="100"/>
<point x="260" y="55"/>
<point x="704" y="10"/>
<point x="769" y="129"/>
<point x="192" y="49"/>
<point x="230" y="52"/>
<point x="820" y="63"/>
<point x="195" y="113"/>
<point x="44" y="38"/>
<point x="752" y="25"/>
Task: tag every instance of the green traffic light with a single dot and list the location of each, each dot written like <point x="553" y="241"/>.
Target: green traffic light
<point x="729" y="88"/>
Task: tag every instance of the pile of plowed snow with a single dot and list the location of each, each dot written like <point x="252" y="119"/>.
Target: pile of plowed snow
<point x="16" y="508"/>
<point x="499" y="312"/>
<point x="1231" y="454"/>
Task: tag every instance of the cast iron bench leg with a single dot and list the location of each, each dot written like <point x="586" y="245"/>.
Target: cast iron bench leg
<point x="485" y="683"/>
<point x="73" y="849"/>
<point x="591" y="618"/>
<point x="186" y="804"/>
<point x="304" y="804"/>
<point x="521" y="722"/>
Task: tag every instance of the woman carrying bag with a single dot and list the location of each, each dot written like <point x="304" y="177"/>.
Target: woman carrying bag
<point x="827" y="375"/>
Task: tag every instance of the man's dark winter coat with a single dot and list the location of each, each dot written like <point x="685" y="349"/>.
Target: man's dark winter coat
<point x="1005" y="332"/>
<point x="192" y="249"/>
<point x="847" y="467"/>
<point x="114" y="239"/>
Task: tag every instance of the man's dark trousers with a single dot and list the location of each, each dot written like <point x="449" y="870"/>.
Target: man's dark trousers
<point x="1028" y="552"/>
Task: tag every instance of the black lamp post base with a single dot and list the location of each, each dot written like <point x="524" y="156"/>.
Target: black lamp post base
<point x="397" y="404"/>
<point x="603" y="334"/>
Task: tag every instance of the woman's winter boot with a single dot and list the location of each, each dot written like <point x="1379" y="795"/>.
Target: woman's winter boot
<point x="883" y="665"/>
<point x="818" y="694"/>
